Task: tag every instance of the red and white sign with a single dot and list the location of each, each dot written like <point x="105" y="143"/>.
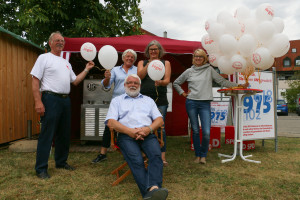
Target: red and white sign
<point x="229" y="139"/>
<point x="215" y="138"/>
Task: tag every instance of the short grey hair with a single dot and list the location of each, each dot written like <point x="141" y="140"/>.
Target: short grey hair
<point x="129" y="51"/>
<point x="160" y="48"/>
<point x="133" y="75"/>
<point x="54" y="33"/>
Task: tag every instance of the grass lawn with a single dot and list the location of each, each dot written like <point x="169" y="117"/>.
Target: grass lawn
<point x="277" y="177"/>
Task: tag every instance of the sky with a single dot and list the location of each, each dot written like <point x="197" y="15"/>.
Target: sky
<point x="185" y="19"/>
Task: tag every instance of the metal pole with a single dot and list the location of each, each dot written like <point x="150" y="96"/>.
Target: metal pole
<point x="29" y="129"/>
<point x="275" y="89"/>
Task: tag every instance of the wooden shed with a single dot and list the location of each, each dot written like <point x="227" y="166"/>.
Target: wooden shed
<point x="17" y="57"/>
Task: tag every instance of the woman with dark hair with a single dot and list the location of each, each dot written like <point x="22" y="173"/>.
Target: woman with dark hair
<point x="157" y="90"/>
<point x="200" y="78"/>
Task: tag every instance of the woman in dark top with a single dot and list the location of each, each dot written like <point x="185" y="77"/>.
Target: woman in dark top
<point x="157" y="90"/>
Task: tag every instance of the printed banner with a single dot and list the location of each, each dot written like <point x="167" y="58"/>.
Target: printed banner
<point x="219" y="113"/>
<point x="258" y="111"/>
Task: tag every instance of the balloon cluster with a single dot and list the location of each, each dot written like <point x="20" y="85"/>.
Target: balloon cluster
<point x="245" y="41"/>
<point x="107" y="55"/>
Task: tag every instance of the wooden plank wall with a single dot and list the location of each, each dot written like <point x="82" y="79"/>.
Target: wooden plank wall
<point x="16" y="100"/>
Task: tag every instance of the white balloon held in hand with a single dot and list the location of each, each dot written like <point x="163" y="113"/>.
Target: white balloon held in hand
<point x="88" y="51"/>
<point x="156" y="70"/>
<point x="108" y="56"/>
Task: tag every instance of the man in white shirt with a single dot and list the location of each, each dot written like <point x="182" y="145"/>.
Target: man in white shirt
<point x="51" y="78"/>
<point x="135" y="116"/>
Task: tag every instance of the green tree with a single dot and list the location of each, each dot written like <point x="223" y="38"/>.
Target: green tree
<point x="294" y="89"/>
<point x="35" y="20"/>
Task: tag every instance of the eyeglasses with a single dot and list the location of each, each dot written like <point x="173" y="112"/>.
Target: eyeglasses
<point x="132" y="82"/>
<point x="154" y="49"/>
<point x="198" y="57"/>
<point x="62" y="41"/>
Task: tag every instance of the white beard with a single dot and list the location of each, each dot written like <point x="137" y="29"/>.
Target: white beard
<point x="132" y="91"/>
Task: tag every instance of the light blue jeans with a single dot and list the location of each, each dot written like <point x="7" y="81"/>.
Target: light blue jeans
<point x="195" y="108"/>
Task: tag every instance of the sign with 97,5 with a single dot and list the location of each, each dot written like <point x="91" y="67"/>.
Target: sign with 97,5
<point x="219" y="113"/>
<point x="258" y="109"/>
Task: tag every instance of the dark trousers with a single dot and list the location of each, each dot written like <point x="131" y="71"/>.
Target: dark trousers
<point x="131" y="150"/>
<point x="106" y="137"/>
<point x="56" y="123"/>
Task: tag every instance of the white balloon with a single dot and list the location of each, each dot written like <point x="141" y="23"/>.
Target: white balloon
<point x="216" y="30"/>
<point x="224" y="65"/>
<point x="242" y="13"/>
<point x="261" y="58"/>
<point x="246" y="45"/>
<point x="279" y="45"/>
<point x="208" y="24"/>
<point x="250" y="26"/>
<point x="156" y="70"/>
<point x="213" y="59"/>
<point x="265" y="31"/>
<point x="108" y="56"/>
<point x="268" y="64"/>
<point x="238" y="63"/>
<point x="88" y="51"/>
<point x="223" y="16"/>
<point x="209" y="44"/>
<point x="264" y="12"/>
<point x="279" y="24"/>
<point x="228" y="44"/>
<point x="233" y="27"/>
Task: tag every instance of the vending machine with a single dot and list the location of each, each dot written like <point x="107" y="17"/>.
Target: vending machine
<point x="96" y="100"/>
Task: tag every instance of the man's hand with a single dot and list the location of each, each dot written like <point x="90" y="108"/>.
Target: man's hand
<point x="40" y="108"/>
<point x="143" y="132"/>
<point x="89" y="65"/>
<point x="134" y="132"/>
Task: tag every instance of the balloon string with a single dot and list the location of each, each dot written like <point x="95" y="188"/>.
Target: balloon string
<point x="156" y="94"/>
<point x="259" y="80"/>
<point x="99" y="68"/>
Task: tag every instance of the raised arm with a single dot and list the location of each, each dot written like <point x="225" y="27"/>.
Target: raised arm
<point x="83" y="74"/>
<point x="141" y="70"/>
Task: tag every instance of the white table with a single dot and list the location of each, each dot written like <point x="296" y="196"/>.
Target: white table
<point x="238" y="118"/>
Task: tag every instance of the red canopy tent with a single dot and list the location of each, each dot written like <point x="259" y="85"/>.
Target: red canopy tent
<point x="178" y="52"/>
<point x="135" y="42"/>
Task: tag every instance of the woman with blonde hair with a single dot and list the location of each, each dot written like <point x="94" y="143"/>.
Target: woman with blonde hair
<point x="200" y="79"/>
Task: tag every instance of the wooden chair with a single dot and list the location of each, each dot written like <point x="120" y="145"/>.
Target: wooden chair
<point x="120" y="177"/>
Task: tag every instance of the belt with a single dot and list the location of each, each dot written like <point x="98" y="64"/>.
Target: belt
<point x="55" y="94"/>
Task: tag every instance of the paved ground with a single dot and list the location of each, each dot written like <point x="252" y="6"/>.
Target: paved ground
<point x="287" y="126"/>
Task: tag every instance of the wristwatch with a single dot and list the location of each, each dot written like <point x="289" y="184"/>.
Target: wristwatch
<point x="151" y="130"/>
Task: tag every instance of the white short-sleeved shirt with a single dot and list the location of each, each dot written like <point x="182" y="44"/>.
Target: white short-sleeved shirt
<point x="54" y="72"/>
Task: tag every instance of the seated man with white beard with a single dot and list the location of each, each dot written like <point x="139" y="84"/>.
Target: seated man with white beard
<point x="135" y="116"/>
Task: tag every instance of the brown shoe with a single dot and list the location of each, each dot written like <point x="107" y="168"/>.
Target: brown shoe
<point x="197" y="160"/>
<point x="202" y="160"/>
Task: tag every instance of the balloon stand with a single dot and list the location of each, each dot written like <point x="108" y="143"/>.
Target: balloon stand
<point x="238" y="121"/>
